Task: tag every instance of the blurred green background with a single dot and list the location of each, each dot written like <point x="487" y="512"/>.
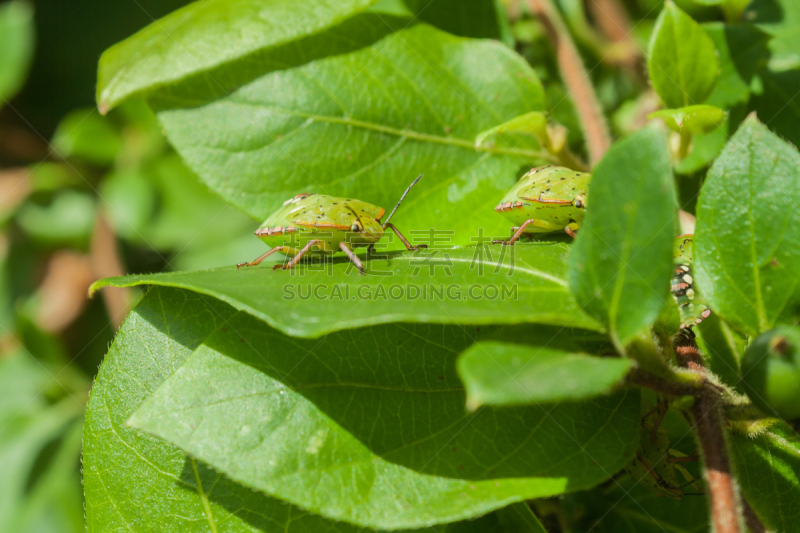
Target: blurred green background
<point x="81" y="197"/>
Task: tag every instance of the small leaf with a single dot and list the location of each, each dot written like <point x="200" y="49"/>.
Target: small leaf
<point x="742" y="49"/>
<point x="747" y="240"/>
<point x="205" y="35"/>
<point x="704" y="149"/>
<point x="507" y="370"/>
<point x="780" y="19"/>
<point x="86" y="135"/>
<point x="722" y="348"/>
<point x="692" y="119"/>
<point x="767" y="466"/>
<point x="17" y="41"/>
<point x="368" y="426"/>
<point x="528" y="128"/>
<point x="621" y="263"/>
<point x="682" y="60"/>
<point x="429" y="286"/>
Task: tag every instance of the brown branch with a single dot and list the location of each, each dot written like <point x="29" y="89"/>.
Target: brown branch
<point x="579" y="85"/>
<point x="722" y="489"/>
<point x="614" y="24"/>
<point x="106" y="263"/>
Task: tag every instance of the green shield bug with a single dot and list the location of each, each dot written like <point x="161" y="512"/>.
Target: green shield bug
<point x="545" y="200"/>
<point x="691" y="305"/>
<point x="318" y="225"/>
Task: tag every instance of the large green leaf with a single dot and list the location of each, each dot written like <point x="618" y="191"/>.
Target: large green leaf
<point x="368" y="426"/>
<point x="517" y="367"/>
<point x="682" y="61"/>
<point x="139" y="484"/>
<point x="621" y="262"/>
<point x="363" y="123"/>
<point x="768" y="470"/>
<point x="16" y="46"/>
<point x="781" y="19"/>
<point x="472" y="285"/>
<point x="206" y="35"/>
<point x="747" y="241"/>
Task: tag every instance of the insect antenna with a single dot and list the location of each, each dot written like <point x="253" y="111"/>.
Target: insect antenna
<point x="400" y="202"/>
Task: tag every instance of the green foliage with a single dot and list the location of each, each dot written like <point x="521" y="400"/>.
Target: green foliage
<point x="747" y="252"/>
<point x="682" y="60"/>
<point x="621" y="263"/>
<point x="692" y="119"/>
<point x="768" y="464"/>
<point x="16" y="46"/>
<point x="510" y="368"/>
<point x="466" y="387"/>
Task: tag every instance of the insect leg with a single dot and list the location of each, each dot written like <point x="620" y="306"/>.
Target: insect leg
<point x="403" y="239"/>
<point x="353" y="257"/>
<point x="299" y="255"/>
<point x="662" y="410"/>
<point x="518" y="234"/>
<point x="571" y="230"/>
<point x="256" y="261"/>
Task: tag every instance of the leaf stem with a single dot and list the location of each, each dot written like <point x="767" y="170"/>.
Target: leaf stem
<point x="577" y="80"/>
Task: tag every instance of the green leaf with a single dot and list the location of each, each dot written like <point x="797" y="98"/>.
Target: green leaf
<point x="86" y="135"/>
<point x="767" y="469"/>
<point x="780" y="19"/>
<point x="368" y="425"/>
<point x="514" y="368"/>
<point x="139" y="484"/>
<point x="747" y="241"/>
<point x="30" y="423"/>
<point x="722" y="348"/>
<point x="17" y="41"/>
<point x="682" y="60"/>
<point x="742" y="49"/>
<point x="204" y="36"/>
<point x="421" y="99"/>
<point x="530" y="128"/>
<point x="432" y="287"/>
<point x="484" y="19"/>
<point x="621" y="262"/>
<point x="68" y="219"/>
<point x="692" y="119"/>
<point x="705" y="148"/>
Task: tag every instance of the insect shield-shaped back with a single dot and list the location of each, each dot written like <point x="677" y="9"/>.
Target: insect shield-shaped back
<point x="545" y="200"/>
<point x="313" y="224"/>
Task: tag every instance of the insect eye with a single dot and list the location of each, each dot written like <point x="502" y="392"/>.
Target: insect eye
<point x="579" y="203"/>
<point x="355" y="228"/>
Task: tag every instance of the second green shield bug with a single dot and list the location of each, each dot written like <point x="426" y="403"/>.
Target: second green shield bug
<point x="693" y="308"/>
<point x="319" y="225"/>
<point x="546" y="200"/>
